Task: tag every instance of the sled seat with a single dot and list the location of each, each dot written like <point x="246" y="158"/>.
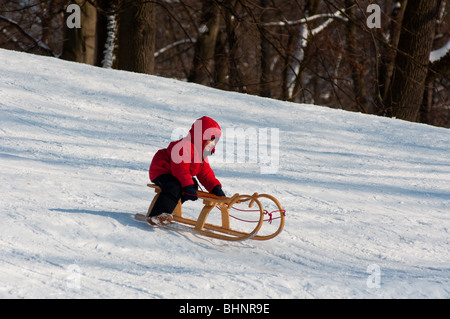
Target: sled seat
<point x="223" y="203"/>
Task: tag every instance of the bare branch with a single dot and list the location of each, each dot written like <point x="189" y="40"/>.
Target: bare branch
<point x="37" y="42"/>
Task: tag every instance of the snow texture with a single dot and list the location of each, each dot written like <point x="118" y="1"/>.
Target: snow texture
<point x="440" y="53"/>
<point x="367" y="198"/>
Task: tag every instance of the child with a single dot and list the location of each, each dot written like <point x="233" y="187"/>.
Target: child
<point x="173" y="169"/>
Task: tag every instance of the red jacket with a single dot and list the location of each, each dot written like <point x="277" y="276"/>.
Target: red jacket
<point x="184" y="158"/>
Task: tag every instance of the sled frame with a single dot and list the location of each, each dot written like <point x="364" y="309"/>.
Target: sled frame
<point x="224" y="203"/>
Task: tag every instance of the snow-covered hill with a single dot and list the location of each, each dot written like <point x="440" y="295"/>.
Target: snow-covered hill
<point x="367" y="198"/>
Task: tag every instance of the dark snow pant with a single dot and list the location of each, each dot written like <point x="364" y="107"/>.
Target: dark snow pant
<point x="169" y="196"/>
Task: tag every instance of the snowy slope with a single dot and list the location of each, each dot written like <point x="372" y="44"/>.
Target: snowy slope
<point x="367" y="198"/>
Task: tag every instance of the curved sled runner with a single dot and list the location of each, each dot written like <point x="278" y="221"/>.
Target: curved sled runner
<point x="224" y="204"/>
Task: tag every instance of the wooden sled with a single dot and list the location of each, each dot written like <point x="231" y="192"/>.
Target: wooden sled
<point x="224" y="204"/>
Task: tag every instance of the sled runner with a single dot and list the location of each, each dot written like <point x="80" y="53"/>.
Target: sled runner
<point x="225" y="204"/>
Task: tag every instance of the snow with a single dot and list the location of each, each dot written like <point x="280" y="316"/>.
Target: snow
<point x="440" y="53"/>
<point x="367" y="198"/>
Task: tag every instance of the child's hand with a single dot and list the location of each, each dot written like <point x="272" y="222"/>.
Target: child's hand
<point x="189" y="193"/>
<point x="217" y="190"/>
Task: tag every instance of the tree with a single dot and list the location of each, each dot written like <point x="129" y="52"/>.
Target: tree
<point x="106" y="33"/>
<point x="136" y="34"/>
<point x="359" y="86"/>
<point x="79" y="43"/>
<point x="203" y="63"/>
<point x="307" y="51"/>
<point x="33" y="28"/>
<point x="232" y="21"/>
<point x="431" y="112"/>
<point x="266" y="49"/>
<point x="389" y="51"/>
<point x="411" y="64"/>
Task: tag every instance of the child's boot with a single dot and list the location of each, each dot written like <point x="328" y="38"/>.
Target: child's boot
<point x="163" y="219"/>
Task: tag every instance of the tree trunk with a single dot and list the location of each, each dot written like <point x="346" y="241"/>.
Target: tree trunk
<point x="301" y="55"/>
<point x="389" y="53"/>
<point x="231" y="21"/>
<point x="411" y="64"/>
<point x="266" y="51"/>
<point x="136" y="36"/>
<point x="221" y="62"/>
<point x="79" y="43"/>
<point x="203" y="63"/>
<point x="438" y="69"/>
<point x="359" y="87"/>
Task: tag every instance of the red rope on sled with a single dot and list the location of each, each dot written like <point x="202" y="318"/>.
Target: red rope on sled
<point x="282" y="211"/>
<point x="265" y="213"/>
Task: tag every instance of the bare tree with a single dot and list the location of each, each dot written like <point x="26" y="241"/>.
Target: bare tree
<point x="232" y="21"/>
<point x="136" y="36"/>
<point x="389" y="51"/>
<point x="411" y="64"/>
<point x="357" y="70"/>
<point x="266" y="48"/>
<point x="203" y="63"/>
<point x="306" y="51"/>
<point x="32" y="28"/>
<point x="79" y="43"/>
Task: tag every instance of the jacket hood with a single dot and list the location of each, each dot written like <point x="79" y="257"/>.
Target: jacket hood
<point x="203" y="130"/>
<point x="205" y="127"/>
